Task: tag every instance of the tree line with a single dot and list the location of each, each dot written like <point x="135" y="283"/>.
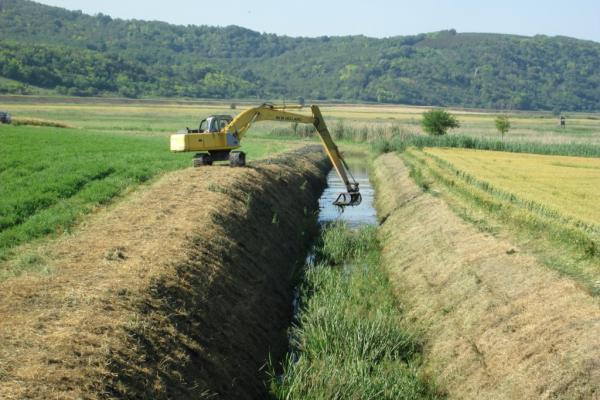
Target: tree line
<point x="72" y="53"/>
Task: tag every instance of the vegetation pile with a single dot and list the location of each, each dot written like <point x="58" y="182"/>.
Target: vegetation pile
<point x="497" y="323"/>
<point x="182" y="291"/>
<point x="39" y="122"/>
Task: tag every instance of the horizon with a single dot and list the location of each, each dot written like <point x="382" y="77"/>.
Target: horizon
<point x="582" y="23"/>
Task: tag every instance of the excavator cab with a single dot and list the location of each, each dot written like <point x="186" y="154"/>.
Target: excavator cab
<point x="214" y="123"/>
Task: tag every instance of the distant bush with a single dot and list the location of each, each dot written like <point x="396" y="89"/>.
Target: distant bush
<point x="502" y="124"/>
<point x="438" y="122"/>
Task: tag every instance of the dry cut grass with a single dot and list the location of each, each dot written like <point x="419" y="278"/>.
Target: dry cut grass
<point x="499" y="324"/>
<point x="179" y="292"/>
<point x="39" y="122"/>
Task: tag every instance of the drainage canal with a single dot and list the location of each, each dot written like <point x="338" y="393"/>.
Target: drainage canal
<point x="364" y="213"/>
<point x="355" y="217"/>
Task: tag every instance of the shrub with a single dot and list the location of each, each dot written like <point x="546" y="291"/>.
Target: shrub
<point x="502" y="124"/>
<point x="438" y="121"/>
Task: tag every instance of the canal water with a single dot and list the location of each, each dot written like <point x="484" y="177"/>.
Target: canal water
<point x="364" y="213"/>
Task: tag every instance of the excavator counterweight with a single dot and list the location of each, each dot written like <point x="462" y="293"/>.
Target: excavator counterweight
<point x="218" y="135"/>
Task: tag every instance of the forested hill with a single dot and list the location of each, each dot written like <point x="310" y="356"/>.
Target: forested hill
<point x="72" y="53"/>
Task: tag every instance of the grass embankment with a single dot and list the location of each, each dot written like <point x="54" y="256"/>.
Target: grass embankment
<point x="351" y="341"/>
<point x="50" y="177"/>
<point x="549" y="202"/>
<point x="180" y="292"/>
<point x="499" y="324"/>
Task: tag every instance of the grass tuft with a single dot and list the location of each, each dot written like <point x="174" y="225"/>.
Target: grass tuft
<point x="29" y="261"/>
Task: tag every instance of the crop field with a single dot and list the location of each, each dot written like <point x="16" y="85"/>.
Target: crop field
<point x="568" y="186"/>
<point x="346" y="121"/>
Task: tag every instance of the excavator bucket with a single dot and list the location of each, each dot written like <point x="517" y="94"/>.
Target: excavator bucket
<point x="348" y="199"/>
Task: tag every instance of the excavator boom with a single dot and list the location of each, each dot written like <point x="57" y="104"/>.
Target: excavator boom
<point x="228" y="138"/>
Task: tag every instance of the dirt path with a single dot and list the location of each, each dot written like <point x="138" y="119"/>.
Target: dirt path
<point x="179" y="292"/>
<point x="499" y="325"/>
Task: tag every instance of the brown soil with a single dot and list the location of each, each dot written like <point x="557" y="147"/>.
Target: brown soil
<point x="181" y="291"/>
<point x="499" y="324"/>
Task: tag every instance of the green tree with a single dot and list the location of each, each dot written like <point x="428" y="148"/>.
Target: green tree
<point x="502" y="124"/>
<point x="438" y="121"/>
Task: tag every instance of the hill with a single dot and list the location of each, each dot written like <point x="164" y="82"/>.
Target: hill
<point x="77" y="54"/>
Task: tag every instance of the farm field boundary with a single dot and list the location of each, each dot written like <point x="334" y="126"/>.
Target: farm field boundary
<point x="182" y="291"/>
<point x="406" y="141"/>
<point x="567" y="241"/>
<point x="497" y="323"/>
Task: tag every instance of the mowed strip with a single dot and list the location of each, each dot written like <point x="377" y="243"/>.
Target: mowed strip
<point x="51" y="323"/>
<point x="499" y="324"/>
<point x="158" y="297"/>
<point x="567" y="185"/>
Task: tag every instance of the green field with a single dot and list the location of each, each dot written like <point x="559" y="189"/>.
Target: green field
<point x="50" y="177"/>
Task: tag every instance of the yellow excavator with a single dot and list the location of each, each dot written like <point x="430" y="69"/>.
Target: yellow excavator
<point x="218" y="135"/>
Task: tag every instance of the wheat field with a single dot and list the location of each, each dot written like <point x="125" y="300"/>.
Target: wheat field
<point x="568" y="185"/>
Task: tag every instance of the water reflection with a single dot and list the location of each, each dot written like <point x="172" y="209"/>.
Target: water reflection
<point x="364" y="213"/>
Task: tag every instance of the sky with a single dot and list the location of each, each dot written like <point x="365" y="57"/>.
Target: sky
<point x="375" y="18"/>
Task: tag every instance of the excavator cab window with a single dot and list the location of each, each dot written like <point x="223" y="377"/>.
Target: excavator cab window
<point x="213" y="125"/>
<point x="203" y="126"/>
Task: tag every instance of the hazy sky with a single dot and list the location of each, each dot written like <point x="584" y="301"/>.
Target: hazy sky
<point x="378" y="18"/>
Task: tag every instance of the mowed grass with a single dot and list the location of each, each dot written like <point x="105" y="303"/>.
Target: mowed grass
<point x="567" y="185"/>
<point x="548" y="204"/>
<point x="50" y="177"/>
<point x="350" y="340"/>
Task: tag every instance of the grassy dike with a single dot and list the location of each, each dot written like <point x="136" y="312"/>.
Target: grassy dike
<point x="563" y="244"/>
<point x="350" y="340"/>
<point x="498" y="323"/>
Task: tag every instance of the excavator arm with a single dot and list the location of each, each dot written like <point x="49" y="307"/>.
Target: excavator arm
<point x="266" y="112"/>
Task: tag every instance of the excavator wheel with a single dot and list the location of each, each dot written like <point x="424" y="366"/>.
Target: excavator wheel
<point x="237" y="159"/>
<point x="202" y="159"/>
